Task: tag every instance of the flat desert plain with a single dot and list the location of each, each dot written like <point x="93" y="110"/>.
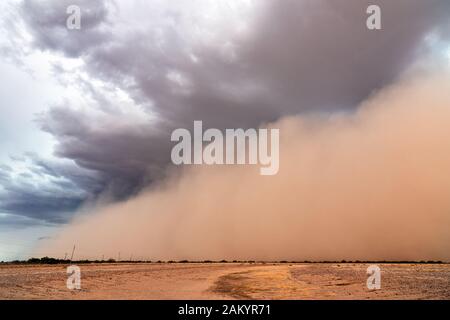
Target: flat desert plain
<point x="226" y="281"/>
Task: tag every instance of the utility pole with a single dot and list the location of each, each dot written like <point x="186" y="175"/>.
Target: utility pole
<point x="131" y="258"/>
<point x="119" y="257"/>
<point x="73" y="250"/>
<point x="65" y="256"/>
<point x="103" y="257"/>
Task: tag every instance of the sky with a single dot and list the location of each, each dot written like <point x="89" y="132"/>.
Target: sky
<point x="86" y="115"/>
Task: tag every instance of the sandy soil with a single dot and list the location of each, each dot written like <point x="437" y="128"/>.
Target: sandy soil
<point x="226" y="281"/>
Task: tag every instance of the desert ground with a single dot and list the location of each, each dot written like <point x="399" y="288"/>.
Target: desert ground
<point x="225" y="281"/>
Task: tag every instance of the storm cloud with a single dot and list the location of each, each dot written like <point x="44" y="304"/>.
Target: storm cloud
<point x="47" y="192"/>
<point x="230" y="64"/>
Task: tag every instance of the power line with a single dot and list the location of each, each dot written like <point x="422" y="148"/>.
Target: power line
<point x="73" y="250"/>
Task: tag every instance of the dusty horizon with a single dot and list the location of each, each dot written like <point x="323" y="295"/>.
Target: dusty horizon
<point x="365" y="186"/>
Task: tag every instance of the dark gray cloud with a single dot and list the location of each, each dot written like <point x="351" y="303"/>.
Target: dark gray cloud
<point x="303" y="56"/>
<point x="49" y="191"/>
<point x="47" y="24"/>
<point x="299" y="56"/>
<point x="8" y="221"/>
<point x="319" y="54"/>
<point x="125" y="159"/>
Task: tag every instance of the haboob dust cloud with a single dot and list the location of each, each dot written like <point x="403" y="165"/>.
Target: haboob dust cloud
<point x="372" y="184"/>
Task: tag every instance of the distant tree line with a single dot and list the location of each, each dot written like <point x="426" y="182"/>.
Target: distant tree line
<point x="49" y="260"/>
